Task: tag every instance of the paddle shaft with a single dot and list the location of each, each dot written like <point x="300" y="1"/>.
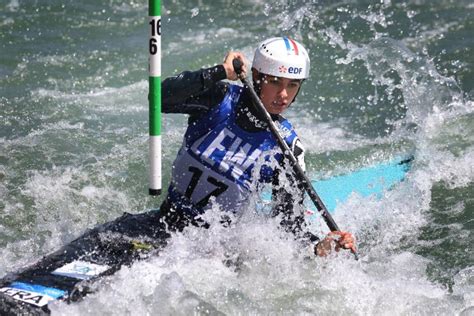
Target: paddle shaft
<point x="298" y="171"/>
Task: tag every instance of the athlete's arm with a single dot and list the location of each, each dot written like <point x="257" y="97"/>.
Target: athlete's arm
<point x="288" y="198"/>
<point x="192" y="92"/>
<point x="288" y="201"/>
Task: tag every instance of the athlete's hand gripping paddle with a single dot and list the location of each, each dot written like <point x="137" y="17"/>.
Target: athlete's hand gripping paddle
<point x="299" y="173"/>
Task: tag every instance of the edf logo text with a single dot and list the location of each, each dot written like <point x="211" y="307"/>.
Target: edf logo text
<point x="295" y="70"/>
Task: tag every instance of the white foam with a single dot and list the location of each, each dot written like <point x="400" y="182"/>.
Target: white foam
<point x="13" y="6"/>
<point x="103" y="94"/>
<point x="329" y="136"/>
<point x="190" y="276"/>
<point x="64" y="205"/>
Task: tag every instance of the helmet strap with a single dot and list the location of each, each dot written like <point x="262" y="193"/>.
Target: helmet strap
<point x="257" y="79"/>
<point x="299" y="89"/>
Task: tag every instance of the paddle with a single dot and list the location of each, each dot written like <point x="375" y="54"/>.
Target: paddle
<point x="287" y="152"/>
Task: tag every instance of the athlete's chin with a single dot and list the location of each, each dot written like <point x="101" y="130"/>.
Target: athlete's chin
<point x="277" y="110"/>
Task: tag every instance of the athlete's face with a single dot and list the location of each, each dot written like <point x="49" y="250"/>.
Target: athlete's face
<point x="278" y="93"/>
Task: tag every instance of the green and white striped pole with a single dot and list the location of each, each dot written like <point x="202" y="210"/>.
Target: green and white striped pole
<point x="154" y="96"/>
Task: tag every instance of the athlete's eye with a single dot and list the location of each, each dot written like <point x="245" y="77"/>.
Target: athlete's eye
<point x="294" y="84"/>
<point x="274" y="80"/>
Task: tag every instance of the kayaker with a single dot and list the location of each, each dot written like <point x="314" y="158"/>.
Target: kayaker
<point x="228" y="152"/>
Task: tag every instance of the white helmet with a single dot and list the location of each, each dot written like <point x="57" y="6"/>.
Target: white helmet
<point x="282" y="57"/>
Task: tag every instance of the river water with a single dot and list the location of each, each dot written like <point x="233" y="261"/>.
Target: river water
<point x="388" y="79"/>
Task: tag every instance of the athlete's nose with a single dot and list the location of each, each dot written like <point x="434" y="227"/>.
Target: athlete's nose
<point x="283" y="94"/>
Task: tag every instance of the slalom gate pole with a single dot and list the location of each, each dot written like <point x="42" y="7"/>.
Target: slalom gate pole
<point x="154" y="96"/>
